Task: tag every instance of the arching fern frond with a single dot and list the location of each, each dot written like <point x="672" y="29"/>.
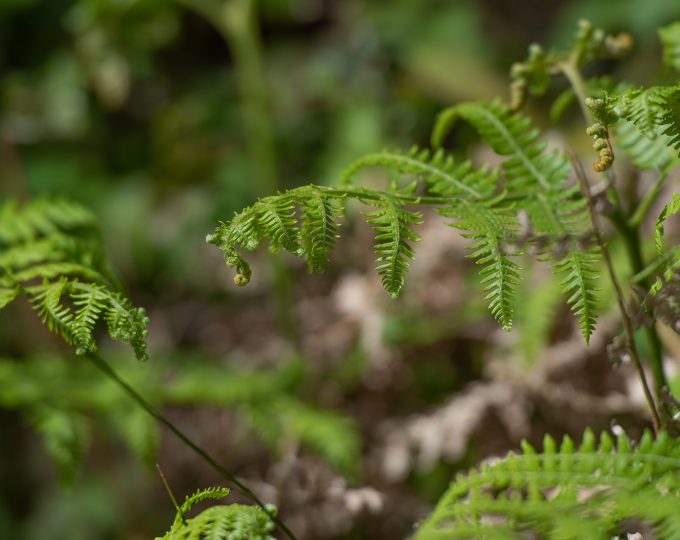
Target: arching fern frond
<point x="468" y="195"/>
<point x="438" y="170"/>
<point x="471" y="197"/>
<point x="536" y="180"/>
<point x="51" y="253"/>
<point x="223" y="522"/>
<point x="567" y="492"/>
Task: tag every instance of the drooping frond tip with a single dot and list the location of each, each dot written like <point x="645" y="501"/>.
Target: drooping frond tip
<point x="52" y="255"/>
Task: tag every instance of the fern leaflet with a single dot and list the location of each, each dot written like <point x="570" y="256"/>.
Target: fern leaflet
<point x="223" y="522"/>
<point x="535" y="179"/>
<point x="565" y="492"/>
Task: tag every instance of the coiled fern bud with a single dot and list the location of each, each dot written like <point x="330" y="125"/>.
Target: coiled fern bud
<point x="600" y="133"/>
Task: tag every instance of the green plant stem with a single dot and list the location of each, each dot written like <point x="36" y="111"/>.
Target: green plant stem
<point x="569" y="69"/>
<point x="171" y="494"/>
<point x="631" y="239"/>
<point x="648" y="200"/>
<point x="627" y="229"/>
<point x="103" y="366"/>
<point x="620" y="299"/>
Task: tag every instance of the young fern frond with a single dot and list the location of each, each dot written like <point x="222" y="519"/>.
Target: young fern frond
<point x="471" y="197"/>
<point x="536" y="182"/>
<point x="223" y="522"/>
<point x="566" y="492"/>
<point x="51" y="254"/>
<point x="467" y="195"/>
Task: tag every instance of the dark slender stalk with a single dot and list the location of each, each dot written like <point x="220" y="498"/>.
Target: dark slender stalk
<point x="171" y="494"/>
<point x="627" y="323"/>
<point x="150" y="409"/>
<point x="631" y="239"/>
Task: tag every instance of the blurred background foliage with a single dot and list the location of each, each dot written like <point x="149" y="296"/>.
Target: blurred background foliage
<point x="164" y="117"/>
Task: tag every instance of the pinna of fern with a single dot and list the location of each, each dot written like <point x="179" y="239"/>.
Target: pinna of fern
<point x="535" y="179"/>
<point x="221" y="522"/>
<point x="51" y="254"/>
<point x="593" y="491"/>
<point x="469" y="196"/>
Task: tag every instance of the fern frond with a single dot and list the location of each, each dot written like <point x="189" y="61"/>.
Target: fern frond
<point x="392" y="224"/>
<point x="654" y="111"/>
<point x="646" y="153"/>
<point x="535" y="180"/>
<point x="565" y="492"/>
<point x="470" y="196"/>
<point x="276" y="216"/>
<point x="65" y="434"/>
<point x="52" y="255"/>
<point x="41" y="217"/>
<point x="232" y="522"/>
<point x="438" y="170"/>
<point x="670" y="39"/>
<point x="670" y="209"/>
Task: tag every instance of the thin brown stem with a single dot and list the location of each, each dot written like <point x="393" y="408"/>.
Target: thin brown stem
<point x="155" y="413"/>
<point x="627" y="323"/>
<point x="170" y="494"/>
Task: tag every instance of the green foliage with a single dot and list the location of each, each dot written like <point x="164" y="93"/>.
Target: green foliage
<point x="222" y="522"/>
<point x="568" y="493"/>
<point x="536" y="181"/>
<point x="63" y="401"/>
<point x="52" y="255"/>
<point x="670" y="209"/>
<point x="670" y="38"/>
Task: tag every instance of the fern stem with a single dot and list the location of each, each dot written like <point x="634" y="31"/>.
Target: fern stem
<point x="171" y="494"/>
<point x="570" y="70"/>
<point x="627" y="323"/>
<point x="103" y="366"/>
<point x="648" y="200"/>
<point x="631" y="238"/>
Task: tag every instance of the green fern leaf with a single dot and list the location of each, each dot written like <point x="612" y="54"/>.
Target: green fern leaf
<point x="670" y="39"/>
<point x="65" y="434"/>
<point x="392" y="224"/>
<point x="469" y="196"/>
<point x="646" y="153"/>
<point x="232" y="522"/>
<point x="535" y="179"/>
<point x="276" y="216"/>
<point x="320" y="214"/>
<point x="438" y="169"/>
<point x="567" y="493"/>
<point x="670" y="209"/>
<point x="51" y="254"/>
